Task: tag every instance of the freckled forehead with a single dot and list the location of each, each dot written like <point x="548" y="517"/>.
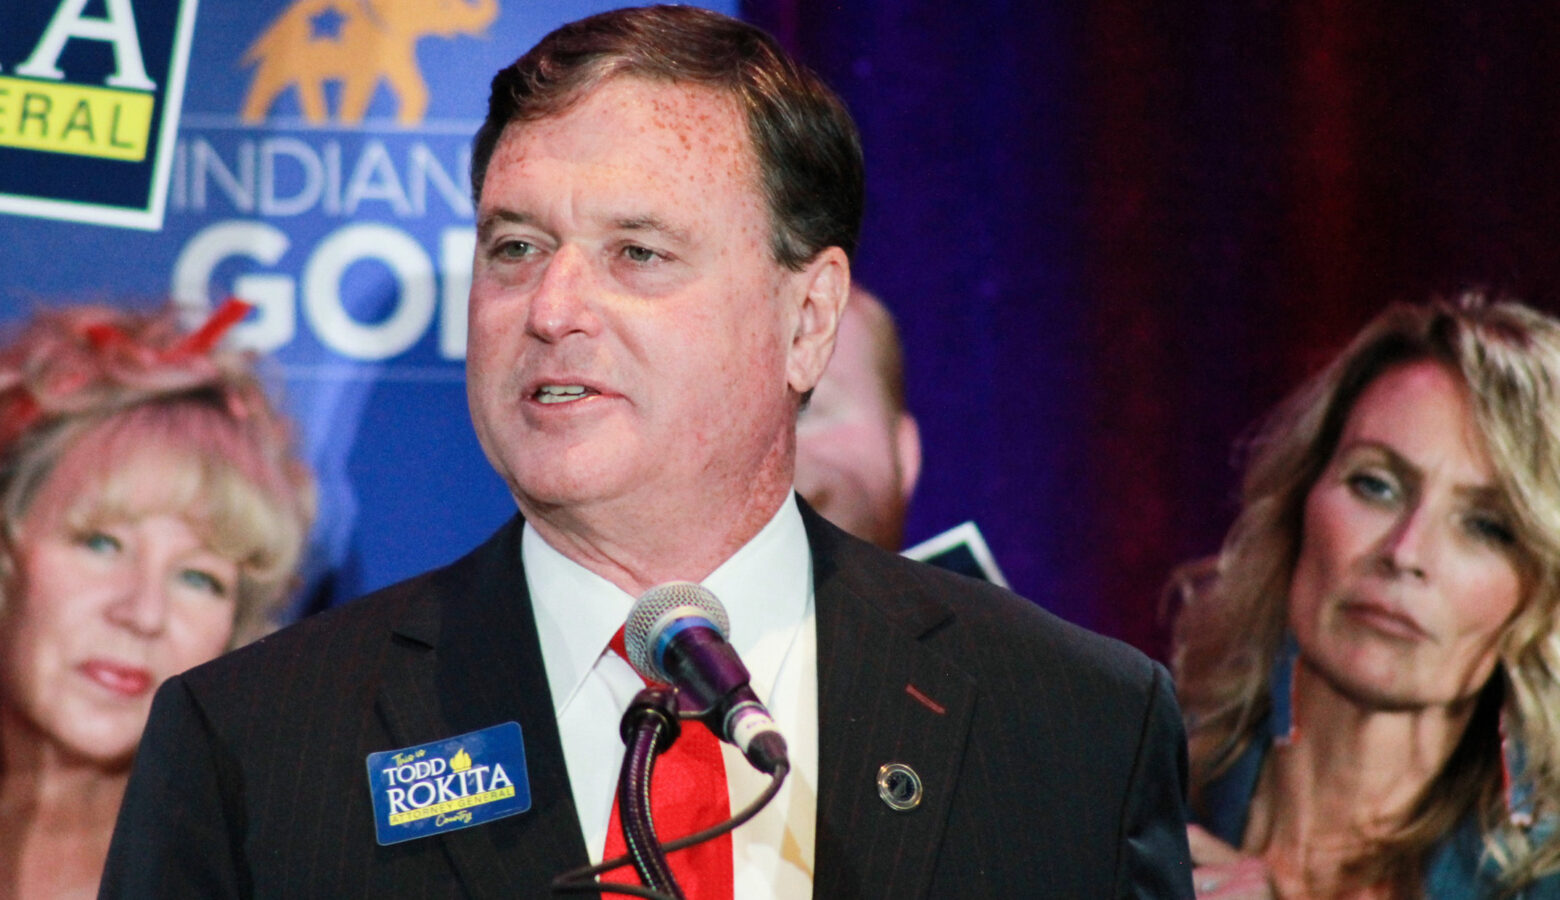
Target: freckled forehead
<point x="679" y="132"/>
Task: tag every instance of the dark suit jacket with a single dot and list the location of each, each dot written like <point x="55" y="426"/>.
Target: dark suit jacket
<point x="1053" y="759"/>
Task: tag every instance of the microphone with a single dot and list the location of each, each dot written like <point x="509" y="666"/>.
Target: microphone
<point x="676" y="634"/>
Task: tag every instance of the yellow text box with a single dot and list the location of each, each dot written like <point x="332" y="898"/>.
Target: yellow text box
<point x="59" y="117"/>
<point x="459" y="803"/>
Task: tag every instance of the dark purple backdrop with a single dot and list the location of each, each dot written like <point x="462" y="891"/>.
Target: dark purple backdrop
<point x="1115" y="233"/>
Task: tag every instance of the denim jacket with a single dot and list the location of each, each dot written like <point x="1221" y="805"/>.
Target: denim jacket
<point x="1457" y="868"/>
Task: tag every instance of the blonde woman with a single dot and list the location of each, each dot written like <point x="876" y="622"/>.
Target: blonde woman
<point x="152" y="513"/>
<point x="1369" y="666"/>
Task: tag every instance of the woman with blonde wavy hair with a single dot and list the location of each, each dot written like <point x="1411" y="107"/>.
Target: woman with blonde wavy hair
<point x="1369" y="666"/>
<point x="152" y="514"/>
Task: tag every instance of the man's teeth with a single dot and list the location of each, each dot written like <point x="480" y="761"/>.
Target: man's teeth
<point x="561" y="393"/>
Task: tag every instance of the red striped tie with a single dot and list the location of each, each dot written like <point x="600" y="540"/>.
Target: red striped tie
<point x="687" y="794"/>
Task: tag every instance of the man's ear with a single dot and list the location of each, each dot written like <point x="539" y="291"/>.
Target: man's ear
<point x="907" y="451"/>
<point x="826" y="283"/>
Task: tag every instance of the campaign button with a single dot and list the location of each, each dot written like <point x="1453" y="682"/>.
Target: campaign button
<point x="448" y="784"/>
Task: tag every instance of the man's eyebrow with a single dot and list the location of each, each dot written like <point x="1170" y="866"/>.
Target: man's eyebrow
<point x="493" y="218"/>
<point x="653" y="224"/>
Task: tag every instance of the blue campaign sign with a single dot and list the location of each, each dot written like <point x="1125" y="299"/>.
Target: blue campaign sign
<point x="89" y="106"/>
<point x="320" y="173"/>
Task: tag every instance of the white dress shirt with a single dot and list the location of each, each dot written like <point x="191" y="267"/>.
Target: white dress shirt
<point x="766" y="587"/>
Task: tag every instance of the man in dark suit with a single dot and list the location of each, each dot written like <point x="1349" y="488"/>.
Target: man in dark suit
<point x="666" y="207"/>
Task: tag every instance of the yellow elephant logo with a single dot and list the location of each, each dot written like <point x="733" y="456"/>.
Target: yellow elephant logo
<point x="357" y="43"/>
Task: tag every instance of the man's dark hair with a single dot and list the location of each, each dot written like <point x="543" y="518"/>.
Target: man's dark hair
<point x="809" y="155"/>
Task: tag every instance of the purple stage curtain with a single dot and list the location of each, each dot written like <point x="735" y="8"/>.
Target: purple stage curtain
<point x="1116" y="233"/>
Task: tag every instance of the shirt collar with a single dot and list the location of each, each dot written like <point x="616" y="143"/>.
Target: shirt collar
<point x="765" y="587"/>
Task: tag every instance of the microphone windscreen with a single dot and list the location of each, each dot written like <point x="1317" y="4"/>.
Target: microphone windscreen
<point x="659" y="607"/>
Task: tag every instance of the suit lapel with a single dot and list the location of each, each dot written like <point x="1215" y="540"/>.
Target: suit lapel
<point x="467" y="657"/>
<point x="883" y="697"/>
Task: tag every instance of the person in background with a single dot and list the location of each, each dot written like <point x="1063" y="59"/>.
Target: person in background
<point x="152" y="511"/>
<point x="858" y="449"/>
<point x="1368" y="668"/>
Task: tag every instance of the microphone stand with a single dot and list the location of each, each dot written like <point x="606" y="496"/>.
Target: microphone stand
<point x="648" y="727"/>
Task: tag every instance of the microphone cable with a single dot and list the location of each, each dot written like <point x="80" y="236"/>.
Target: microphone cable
<point x="582" y="880"/>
